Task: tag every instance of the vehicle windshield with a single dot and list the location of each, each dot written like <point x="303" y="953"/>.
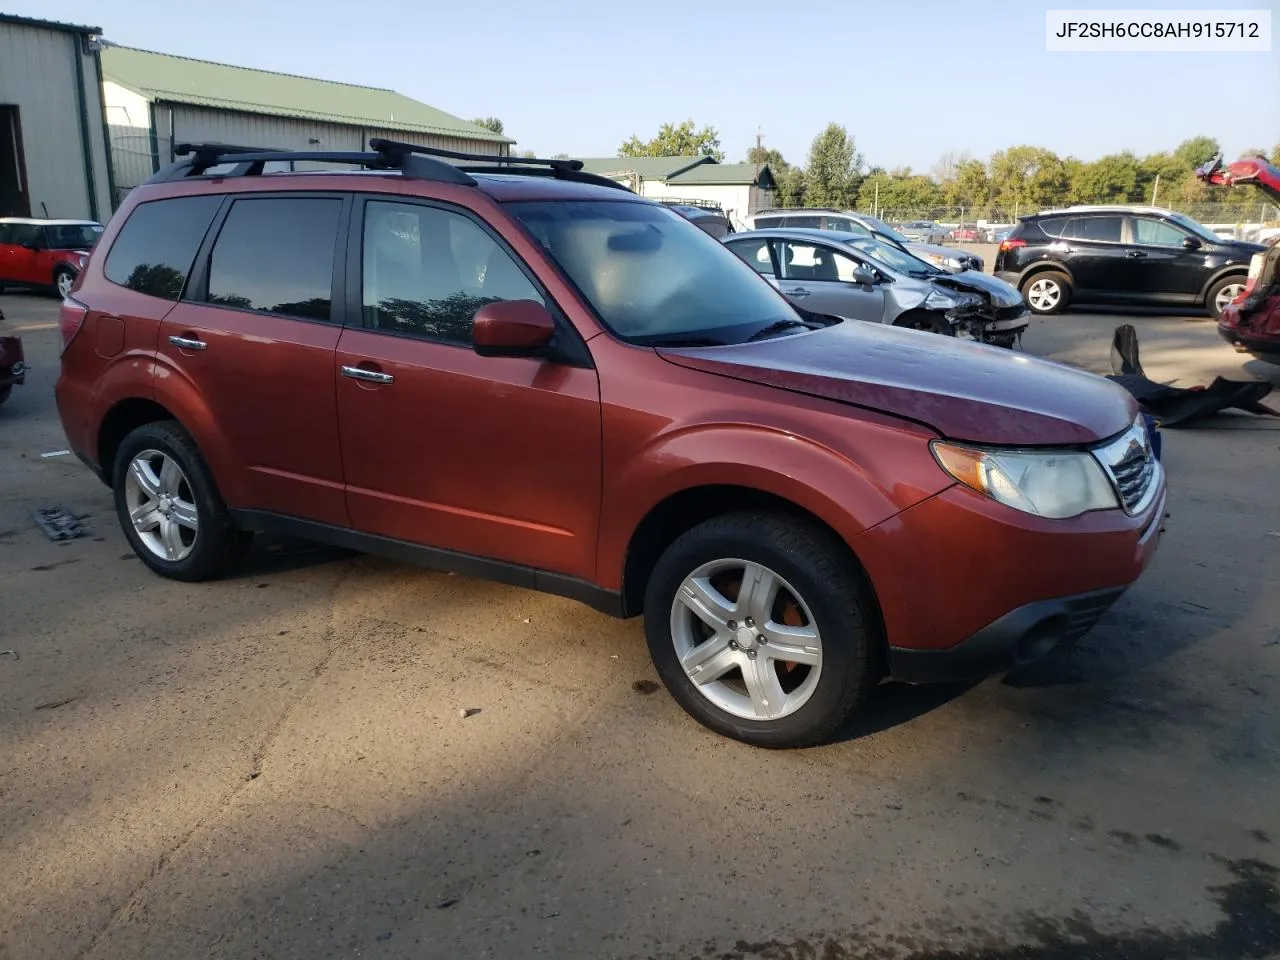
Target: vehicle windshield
<point x="879" y="226"/>
<point x="72" y="236"/>
<point x="1198" y="229"/>
<point x="651" y="276"/>
<point x="897" y="260"/>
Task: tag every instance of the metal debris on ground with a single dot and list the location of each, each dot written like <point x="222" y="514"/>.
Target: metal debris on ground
<point x="55" y="453"/>
<point x="10" y="653"/>
<point x="58" y="523"/>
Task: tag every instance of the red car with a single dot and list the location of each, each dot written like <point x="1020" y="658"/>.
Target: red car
<point x="1251" y="323"/>
<point x="965" y="234"/>
<point x="513" y="369"/>
<point x="13" y="367"/>
<point x="45" y="253"/>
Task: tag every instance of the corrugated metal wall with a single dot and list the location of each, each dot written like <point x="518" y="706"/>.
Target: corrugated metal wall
<point x="38" y="75"/>
<point x="181" y="123"/>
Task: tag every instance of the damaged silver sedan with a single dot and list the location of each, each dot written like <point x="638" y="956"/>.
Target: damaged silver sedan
<point x="861" y="278"/>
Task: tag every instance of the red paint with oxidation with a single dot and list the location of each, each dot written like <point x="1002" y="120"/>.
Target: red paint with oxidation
<point x="556" y="466"/>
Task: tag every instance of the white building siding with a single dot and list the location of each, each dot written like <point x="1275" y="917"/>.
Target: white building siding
<point x="737" y="200"/>
<point x="38" y="76"/>
<point x="129" y="124"/>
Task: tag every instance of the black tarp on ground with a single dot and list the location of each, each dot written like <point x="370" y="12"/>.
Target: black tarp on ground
<point x="1178" y="406"/>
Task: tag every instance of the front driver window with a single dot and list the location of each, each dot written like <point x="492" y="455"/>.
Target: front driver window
<point x="755" y="253"/>
<point x="1156" y="233"/>
<point x="427" y="271"/>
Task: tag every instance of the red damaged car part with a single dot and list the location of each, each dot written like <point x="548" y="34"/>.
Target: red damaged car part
<point x="1251" y="323"/>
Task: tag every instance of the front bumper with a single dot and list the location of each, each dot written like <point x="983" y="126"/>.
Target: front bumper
<point x="969" y="588"/>
<point x="1020" y="637"/>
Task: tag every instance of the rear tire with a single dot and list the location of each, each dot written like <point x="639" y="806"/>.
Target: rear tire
<point x="169" y="506"/>
<point x="63" y="278"/>
<point x="788" y="581"/>
<point x="1222" y="293"/>
<point x="1047" y="292"/>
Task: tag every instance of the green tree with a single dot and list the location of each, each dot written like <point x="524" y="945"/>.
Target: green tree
<point x="1193" y="152"/>
<point x="676" y="140"/>
<point x="1116" y="178"/>
<point x="969" y="188"/>
<point x="834" y="171"/>
<point x="489" y="123"/>
<point x="1275" y="154"/>
<point x="1024" y="178"/>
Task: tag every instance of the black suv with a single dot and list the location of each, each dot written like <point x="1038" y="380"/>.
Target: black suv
<point x="1122" y="255"/>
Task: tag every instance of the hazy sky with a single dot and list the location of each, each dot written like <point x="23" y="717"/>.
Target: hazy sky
<point x="910" y="79"/>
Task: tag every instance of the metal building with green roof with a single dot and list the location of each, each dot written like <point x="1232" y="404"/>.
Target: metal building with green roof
<point x="155" y="100"/>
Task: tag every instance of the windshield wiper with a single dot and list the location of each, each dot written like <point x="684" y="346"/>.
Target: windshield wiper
<point x="777" y="327"/>
<point x="675" y="341"/>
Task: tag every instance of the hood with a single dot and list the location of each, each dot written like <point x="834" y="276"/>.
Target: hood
<point x="1002" y="294"/>
<point x="965" y="391"/>
<point x="927" y="250"/>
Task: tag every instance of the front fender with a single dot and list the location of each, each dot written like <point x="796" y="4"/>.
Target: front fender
<point x="888" y="471"/>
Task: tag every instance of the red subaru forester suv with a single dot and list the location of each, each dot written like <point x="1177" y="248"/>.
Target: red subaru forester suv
<point x="513" y="369"/>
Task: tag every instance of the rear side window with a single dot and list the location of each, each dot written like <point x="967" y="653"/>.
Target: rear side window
<point x="1052" y="226"/>
<point x="764" y="223"/>
<point x="1094" y="228"/>
<point x="275" y="255"/>
<point x="755" y="252"/>
<point x="154" y="251"/>
<point x="804" y="222"/>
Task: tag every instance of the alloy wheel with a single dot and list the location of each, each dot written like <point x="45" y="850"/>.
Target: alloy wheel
<point x="1226" y="295"/>
<point x="65" y="282"/>
<point x="161" y="505"/>
<point x="746" y="639"/>
<point x="1044" y="294"/>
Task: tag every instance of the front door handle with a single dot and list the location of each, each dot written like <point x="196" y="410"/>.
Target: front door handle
<point x="1136" y="254"/>
<point x="188" y="343"/>
<point x="369" y="376"/>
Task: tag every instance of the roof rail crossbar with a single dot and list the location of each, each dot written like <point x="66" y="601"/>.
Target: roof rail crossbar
<point x="394" y="147"/>
<point x="575" y="176"/>
<point x="250" y="161"/>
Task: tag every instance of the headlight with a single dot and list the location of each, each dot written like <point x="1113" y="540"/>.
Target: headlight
<point x="938" y="300"/>
<point x="1055" y="485"/>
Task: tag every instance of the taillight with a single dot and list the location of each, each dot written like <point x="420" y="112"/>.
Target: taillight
<point x="1011" y="244"/>
<point x="70" y="320"/>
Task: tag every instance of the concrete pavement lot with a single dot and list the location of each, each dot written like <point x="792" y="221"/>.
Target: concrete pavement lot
<point x="274" y="765"/>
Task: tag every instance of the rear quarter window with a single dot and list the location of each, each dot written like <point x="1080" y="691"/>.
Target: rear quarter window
<point x="764" y="223"/>
<point x="1052" y="226"/>
<point x="154" y="250"/>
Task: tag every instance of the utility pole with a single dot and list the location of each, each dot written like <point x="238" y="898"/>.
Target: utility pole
<point x="1155" y="189"/>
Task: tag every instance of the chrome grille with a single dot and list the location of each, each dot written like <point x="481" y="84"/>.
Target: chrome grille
<point x="1132" y="467"/>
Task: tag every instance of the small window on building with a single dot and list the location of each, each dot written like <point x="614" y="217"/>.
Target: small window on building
<point x="427" y="271"/>
<point x="153" y="252"/>
<point x="275" y="255"/>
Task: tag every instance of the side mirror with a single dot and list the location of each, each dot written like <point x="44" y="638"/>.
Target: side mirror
<point x="1191" y="243"/>
<point x="512" y="328"/>
<point x="864" y="275"/>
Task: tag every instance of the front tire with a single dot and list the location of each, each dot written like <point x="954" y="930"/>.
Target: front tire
<point x="1222" y="293"/>
<point x="1047" y="293"/>
<point x="757" y="624"/>
<point x="169" y="506"/>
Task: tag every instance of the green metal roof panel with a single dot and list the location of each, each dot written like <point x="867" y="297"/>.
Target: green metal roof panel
<point x="725" y="173"/>
<point x="159" y="76"/>
<point x="649" y="168"/>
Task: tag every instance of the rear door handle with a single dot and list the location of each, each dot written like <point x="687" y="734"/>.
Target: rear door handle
<point x="369" y="376"/>
<point x="1137" y="254"/>
<point x="188" y="343"/>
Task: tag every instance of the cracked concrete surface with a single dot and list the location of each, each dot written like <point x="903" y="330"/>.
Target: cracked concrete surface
<point x="274" y="765"/>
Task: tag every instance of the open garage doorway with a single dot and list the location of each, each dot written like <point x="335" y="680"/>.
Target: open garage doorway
<point x="15" y="200"/>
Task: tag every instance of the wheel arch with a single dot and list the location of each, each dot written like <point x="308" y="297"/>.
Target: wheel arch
<point x="1231" y="269"/>
<point x="683" y="510"/>
<point x="121" y="420"/>
<point x="1045" y="266"/>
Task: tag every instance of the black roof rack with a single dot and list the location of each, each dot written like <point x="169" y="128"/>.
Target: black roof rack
<point x="410" y="159"/>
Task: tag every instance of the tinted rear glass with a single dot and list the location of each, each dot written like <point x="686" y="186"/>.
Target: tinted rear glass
<point x="1052" y="226"/>
<point x="764" y="223"/>
<point x="1094" y="228"/>
<point x="275" y="255"/>
<point x="154" y="251"/>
